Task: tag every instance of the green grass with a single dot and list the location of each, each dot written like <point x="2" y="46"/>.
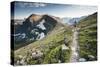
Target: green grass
<point x="50" y="46"/>
<point x="88" y="37"/>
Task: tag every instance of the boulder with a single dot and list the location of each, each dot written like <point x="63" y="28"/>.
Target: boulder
<point x="37" y="54"/>
<point x="82" y="60"/>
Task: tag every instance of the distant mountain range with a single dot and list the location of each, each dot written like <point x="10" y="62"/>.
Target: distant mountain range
<point x="71" y="21"/>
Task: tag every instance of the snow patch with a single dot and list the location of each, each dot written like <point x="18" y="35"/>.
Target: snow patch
<point x="41" y="25"/>
<point x="40" y="36"/>
<point x="19" y="35"/>
<point x="23" y="35"/>
<point x="32" y="38"/>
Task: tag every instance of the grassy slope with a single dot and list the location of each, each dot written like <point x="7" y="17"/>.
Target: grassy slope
<point x="88" y="37"/>
<point x="50" y="46"/>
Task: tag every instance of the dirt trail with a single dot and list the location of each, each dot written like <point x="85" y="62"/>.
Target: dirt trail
<point x="75" y="46"/>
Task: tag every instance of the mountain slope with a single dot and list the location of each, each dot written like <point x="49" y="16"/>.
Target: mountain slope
<point x="88" y="37"/>
<point x="50" y="46"/>
<point x="35" y="27"/>
<point x="48" y="49"/>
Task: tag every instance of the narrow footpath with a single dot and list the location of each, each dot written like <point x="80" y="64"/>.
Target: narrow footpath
<point x="75" y="46"/>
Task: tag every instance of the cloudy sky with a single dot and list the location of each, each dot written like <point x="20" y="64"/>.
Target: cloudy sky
<point x="24" y="9"/>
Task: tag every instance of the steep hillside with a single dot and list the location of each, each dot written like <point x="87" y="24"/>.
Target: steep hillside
<point x="51" y="48"/>
<point x="88" y="37"/>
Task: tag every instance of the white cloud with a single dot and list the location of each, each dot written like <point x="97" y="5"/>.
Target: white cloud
<point x="27" y="4"/>
<point x="39" y="4"/>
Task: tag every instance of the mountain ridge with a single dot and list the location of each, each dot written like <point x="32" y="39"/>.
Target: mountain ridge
<point x="35" y="27"/>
